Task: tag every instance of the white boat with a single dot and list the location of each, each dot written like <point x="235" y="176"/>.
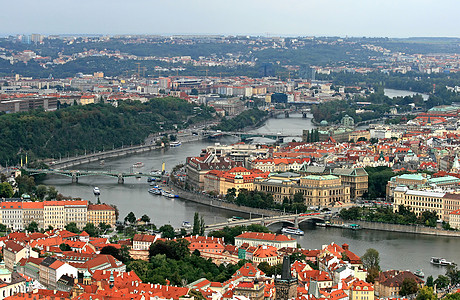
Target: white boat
<point x="439" y="261"/>
<point x="139" y="164"/>
<point x="169" y="194"/>
<point x="175" y="144"/>
<point x="292" y="230"/>
<point x="186" y="225"/>
<point x="96" y="191"/>
<point x="419" y="273"/>
<point x="155" y="190"/>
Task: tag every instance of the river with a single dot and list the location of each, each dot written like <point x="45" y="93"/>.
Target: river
<point x="402" y="93"/>
<point x="397" y="250"/>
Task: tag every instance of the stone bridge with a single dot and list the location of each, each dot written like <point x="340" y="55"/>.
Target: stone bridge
<point x="294" y="220"/>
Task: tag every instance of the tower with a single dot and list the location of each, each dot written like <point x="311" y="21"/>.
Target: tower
<point x="286" y="286"/>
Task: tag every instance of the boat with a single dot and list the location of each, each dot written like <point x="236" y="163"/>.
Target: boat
<point x="323" y="224"/>
<point x="168" y="194"/>
<point x="419" y="273"/>
<point x="96" y="191"/>
<point x="102" y="162"/>
<point x="139" y="164"/>
<point x="186" y="225"/>
<point x="155" y="190"/>
<point x="292" y="230"/>
<point x="439" y="261"/>
<point x="175" y="144"/>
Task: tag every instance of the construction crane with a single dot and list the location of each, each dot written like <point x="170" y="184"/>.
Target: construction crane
<point x="138" y="70"/>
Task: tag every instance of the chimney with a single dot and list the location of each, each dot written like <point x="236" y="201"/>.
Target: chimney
<point x="345" y="246"/>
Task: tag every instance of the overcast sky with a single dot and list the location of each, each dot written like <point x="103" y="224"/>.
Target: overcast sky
<point x="383" y="18"/>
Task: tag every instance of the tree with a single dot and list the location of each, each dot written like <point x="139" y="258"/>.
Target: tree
<point x="52" y="193"/>
<point x="111" y="250"/>
<point x="371" y="259"/>
<point x="408" y="287"/>
<point x="453" y="296"/>
<point x="117" y="212"/>
<point x="91" y="229"/>
<point x="6" y="190"/>
<point x="72" y="227"/>
<point x="65" y="247"/>
<point x="103" y="227"/>
<point x="231" y="195"/>
<point x="454" y="274"/>
<point x="167" y="231"/>
<point x="40" y="192"/>
<point x="196" y="224"/>
<point x="202" y="226"/>
<point x="130" y="218"/>
<point x="442" y="282"/>
<point x="145" y="219"/>
<point x="426" y="293"/>
<point x="33" y="227"/>
<point x="430" y="281"/>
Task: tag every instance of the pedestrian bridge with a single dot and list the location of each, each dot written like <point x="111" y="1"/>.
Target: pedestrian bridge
<point x="75" y="174"/>
<point x="293" y="219"/>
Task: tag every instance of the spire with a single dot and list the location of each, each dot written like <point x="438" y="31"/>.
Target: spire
<point x="111" y="279"/>
<point x="286" y="271"/>
<point x="456" y="164"/>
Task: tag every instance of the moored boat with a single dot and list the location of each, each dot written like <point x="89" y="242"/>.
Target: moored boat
<point x="186" y="225"/>
<point x="175" y="144"/>
<point x="439" y="261"/>
<point x="419" y="273"/>
<point x="155" y="190"/>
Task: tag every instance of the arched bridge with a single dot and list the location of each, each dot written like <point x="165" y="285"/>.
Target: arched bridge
<point x="294" y="219"/>
<point x="75" y="174"/>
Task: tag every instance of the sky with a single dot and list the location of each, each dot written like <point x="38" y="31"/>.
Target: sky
<point x="370" y="18"/>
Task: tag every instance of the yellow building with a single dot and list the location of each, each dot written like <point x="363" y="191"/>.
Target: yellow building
<point x="420" y="201"/>
<point x="101" y="213"/>
<point x="237" y="178"/>
<point x="59" y="213"/>
<point x="323" y="190"/>
<point x="361" y="290"/>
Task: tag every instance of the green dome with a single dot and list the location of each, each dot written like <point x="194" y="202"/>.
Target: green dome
<point x="323" y="123"/>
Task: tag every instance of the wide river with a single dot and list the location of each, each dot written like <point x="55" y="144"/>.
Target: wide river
<point x="397" y="250"/>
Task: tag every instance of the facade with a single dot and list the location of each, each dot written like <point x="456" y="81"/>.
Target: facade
<point x="32" y="212"/>
<point x="356" y="178"/>
<point x="51" y="271"/>
<point x="14" y="252"/>
<point x="143" y="241"/>
<point x="269" y="239"/>
<point x="101" y="213"/>
<point x="454" y="219"/>
<point x="419" y="201"/>
<point x="12" y="216"/>
<point x="59" y="213"/>
<point x="389" y="283"/>
<point x="237" y="178"/>
<point x="361" y="290"/>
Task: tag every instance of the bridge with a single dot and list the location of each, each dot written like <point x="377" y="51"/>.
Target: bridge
<point x="293" y="220"/>
<point x="75" y="174"/>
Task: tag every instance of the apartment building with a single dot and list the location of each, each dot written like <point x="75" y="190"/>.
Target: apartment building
<point x="32" y="212"/>
<point x="101" y="213"/>
<point x="419" y="201"/>
<point x="12" y="216"/>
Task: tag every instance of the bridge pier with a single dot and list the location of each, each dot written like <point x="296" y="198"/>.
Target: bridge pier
<point x="74" y="178"/>
<point x="304" y="115"/>
<point x="121" y="180"/>
<point x="286" y="114"/>
<point x="296" y="221"/>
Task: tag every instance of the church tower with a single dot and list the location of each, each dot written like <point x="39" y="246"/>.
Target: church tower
<point x="286" y="286"/>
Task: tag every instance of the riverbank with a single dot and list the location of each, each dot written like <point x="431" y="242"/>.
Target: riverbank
<point x="414" y="229"/>
<point x="220" y="204"/>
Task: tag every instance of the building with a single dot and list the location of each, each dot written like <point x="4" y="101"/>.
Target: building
<point x="253" y="290"/>
<point x="32" y="212"/>
<point x="143" y="241"/>
<point x="356" y="178"/>
<point x="454" y="219"/>
<point x="12" y="216"/>
<point x="419" y="201"/>
<point x="14" y="252"/>
<point x="59" y="213"/>
<point x="410" y="180"/>
<point x="101" y="213"/>
<point x="51" y="271"/>
<point x="12" y="283"/>
<point x="236" y="178"/>
<point x="286" y="286"/>
<point x="388" y="283"/>
<point x="269" y="239"/>
<point x="266" y="254"/>
<point x="361" y="290"/>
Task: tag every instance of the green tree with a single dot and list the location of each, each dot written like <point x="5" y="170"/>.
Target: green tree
<point x="32" y="227"/>
<point x="91" y="229"/>
<point x="430" y="281"/>
<point x="426" y="293"/>
<point x="371" y="259"/>
<point x="196" y="224"/>
<point x="65" y="247"/>
<point x="117" y="253"/>
<point x="103" y="227"/>
<point x="454" y="274"/>
<point x="72" y="227"/>
<point x="26" y="184"/>
<point x="202" y="225"/>
<point x="130" y="218"/>
<point x="40" y="192"/>
<point x="408" y="287"/>
<point x="442" y="282"/>
<point x="145" y="219"/>
<point x="167" y="231"/>
<point x="52" y="193"/>
<point x="453" y="296"/>
<point x="6" y="190"/>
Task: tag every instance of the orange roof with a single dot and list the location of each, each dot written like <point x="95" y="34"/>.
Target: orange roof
<point x="32" y="205"/>
<point x="265" y="236"/>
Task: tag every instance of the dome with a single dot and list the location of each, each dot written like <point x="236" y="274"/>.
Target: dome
<point x="323" y="123"/>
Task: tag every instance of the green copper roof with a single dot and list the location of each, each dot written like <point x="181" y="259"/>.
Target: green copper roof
<point x="321" y="177"/>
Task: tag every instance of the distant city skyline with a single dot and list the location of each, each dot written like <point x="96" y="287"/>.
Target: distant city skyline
<point x="355" y="18"/>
